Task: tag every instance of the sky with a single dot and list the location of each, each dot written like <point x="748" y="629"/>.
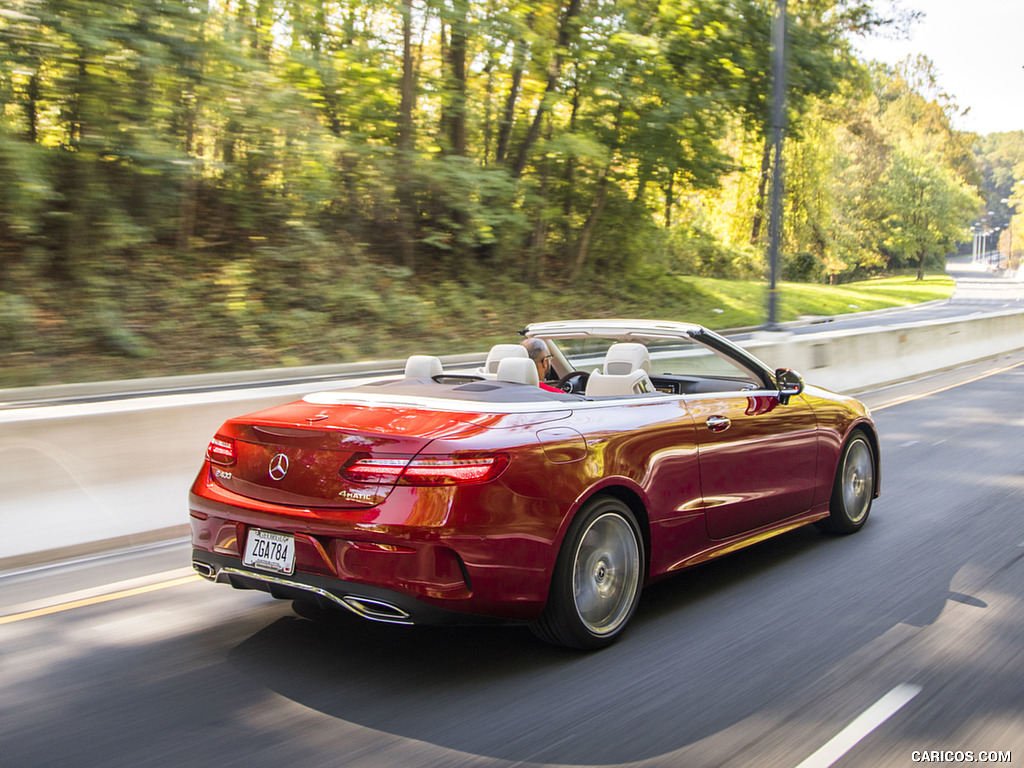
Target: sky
<point x="977" y="47"/>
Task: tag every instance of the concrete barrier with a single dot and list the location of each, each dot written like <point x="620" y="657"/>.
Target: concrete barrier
<point x="853" y="361"/>
<point x="95" y="476"/>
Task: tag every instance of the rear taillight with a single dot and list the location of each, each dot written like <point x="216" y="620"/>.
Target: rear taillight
<point x="450" y="470"/>
<point x="375" y="471"/>
<point x="221" y="450"/>
<point x="426" y="470"/>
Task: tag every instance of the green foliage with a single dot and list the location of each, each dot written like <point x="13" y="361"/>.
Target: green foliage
<point x="17" y="320"/>
<point x="26" y="191"/>
<point x="928" y="209"/>
<point x="695" y="252"/>
<point x="1001" y="161"/>
<point x="802" y="267"/>
<point x="468" y="209"/>
<point x="297" y="181"/>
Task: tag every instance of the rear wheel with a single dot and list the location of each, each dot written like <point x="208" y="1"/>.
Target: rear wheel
<point x="596" y="583"/>
<point x="854" y="487"/>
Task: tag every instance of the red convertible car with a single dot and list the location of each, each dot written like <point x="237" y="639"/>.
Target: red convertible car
<point x="466" y="495"/>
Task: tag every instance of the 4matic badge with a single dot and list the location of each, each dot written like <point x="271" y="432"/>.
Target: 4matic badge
<point x="278" y="467"/>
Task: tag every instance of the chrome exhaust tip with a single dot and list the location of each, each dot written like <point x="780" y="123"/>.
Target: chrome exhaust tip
<point x="204" y="569"/>
<point x="376" y="610"/>
<point x="367" y="607"/>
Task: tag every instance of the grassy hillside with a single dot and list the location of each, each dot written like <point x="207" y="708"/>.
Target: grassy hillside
<point x="228" y="325"/>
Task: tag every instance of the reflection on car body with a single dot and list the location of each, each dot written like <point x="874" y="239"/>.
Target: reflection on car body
<point x="448" y="496"/>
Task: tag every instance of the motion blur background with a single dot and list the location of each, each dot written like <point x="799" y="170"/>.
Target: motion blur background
<point x="203" y="185"/>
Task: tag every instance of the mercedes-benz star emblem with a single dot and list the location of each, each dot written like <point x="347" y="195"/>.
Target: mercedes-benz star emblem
<point x="278" y="467"/>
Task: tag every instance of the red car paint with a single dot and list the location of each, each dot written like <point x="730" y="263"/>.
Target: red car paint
<point x="703" y="473"/>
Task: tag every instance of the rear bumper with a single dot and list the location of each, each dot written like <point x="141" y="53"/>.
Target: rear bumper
<point x="410" y="553"/>
<point x="364" y="600"/>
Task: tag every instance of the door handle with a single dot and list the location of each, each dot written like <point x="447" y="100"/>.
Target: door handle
<point x="718" y="423"/>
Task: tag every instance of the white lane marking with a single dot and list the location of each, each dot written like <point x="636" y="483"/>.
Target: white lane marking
<point x="923" y="395"/>
<point x="870" y="719"/>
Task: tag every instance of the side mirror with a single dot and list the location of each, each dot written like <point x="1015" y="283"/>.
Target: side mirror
<point x="790" y="384"/>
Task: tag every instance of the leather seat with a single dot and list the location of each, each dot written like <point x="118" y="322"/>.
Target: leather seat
<point x="604" y="385"/>
<point x="499" y="352"/>
<point x="626" y="358"/>
<point x="518" y="370"/>
<point x="422" y="366"/>
<point x="626" y="372"/>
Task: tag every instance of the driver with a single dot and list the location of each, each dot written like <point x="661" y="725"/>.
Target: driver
<point x="541" y="356"/>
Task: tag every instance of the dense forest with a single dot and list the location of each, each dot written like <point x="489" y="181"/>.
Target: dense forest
<point x="202" y="184"/>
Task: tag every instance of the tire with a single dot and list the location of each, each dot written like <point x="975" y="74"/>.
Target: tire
<point x="596" y="583"/>
<point x="853" y="489"/>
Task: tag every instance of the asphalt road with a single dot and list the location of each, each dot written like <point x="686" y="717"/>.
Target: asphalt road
<point x="978" y="291"/>
<point x="759" y="659"/>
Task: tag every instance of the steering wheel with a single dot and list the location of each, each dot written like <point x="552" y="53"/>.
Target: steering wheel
<point x="574" y="381"/>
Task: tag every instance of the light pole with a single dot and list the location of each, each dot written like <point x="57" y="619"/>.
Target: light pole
<point x="985" y="257"/>
<point x="995" y="251"/>
<point x="778" y="128"/>
<point x="981" y="230"/>
<point x="1009" y="246"/>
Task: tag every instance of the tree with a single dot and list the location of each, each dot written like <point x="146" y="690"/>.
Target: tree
<point x="264" y="147"/>
<point x="928" y="210"/>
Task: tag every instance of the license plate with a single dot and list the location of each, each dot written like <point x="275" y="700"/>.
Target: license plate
<point x="270" y="551"/>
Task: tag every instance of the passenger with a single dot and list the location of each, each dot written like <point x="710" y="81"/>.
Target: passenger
<point x="541" y="356"/>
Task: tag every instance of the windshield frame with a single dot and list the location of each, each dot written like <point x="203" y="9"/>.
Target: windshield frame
<point x="646" y="332"/>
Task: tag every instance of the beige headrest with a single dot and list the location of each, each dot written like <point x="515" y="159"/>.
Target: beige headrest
<point x="626" y="358"/>
<point x="422" y="366"/>
<point x="501" y="351"/>
<point x="519" y="370"/>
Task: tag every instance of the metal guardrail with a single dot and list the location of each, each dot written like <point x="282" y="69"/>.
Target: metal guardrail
<point x="105" y="391"/>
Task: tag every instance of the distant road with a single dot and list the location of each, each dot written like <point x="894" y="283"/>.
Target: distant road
<point x="978" y="291"/>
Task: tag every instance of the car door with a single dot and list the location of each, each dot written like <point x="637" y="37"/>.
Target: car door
<point x="757" y="459"/>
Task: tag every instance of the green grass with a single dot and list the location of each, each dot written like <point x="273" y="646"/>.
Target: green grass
<point x="721" y="304"/>
<point x="463" y="325"/>
<point x="183" y="334"/>
<point x="744" y="304"/>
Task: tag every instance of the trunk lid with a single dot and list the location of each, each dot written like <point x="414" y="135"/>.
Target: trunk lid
<point x="294" y="454"/>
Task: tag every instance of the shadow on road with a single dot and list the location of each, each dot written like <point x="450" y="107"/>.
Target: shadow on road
<point x="691" y="664"/>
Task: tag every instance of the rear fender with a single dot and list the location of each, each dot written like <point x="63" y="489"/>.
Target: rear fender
<point x="630" y="493"/>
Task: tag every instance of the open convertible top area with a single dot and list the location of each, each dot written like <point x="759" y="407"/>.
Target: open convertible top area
<point x="588" y="361"/>
<point x="460" y="387"/>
